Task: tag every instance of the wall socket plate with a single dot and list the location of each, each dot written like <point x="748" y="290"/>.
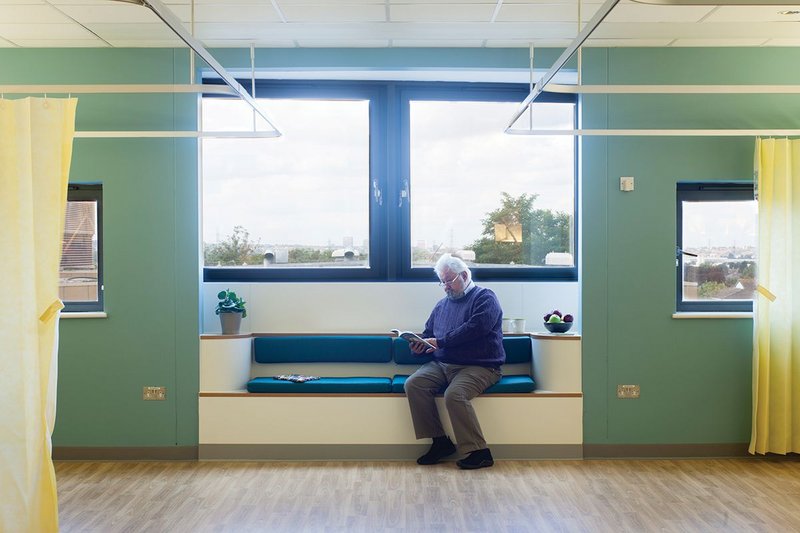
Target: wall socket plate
<point x="626" y="183"/>
<point x="628" y="391"/>
<point x="154" y="393"/>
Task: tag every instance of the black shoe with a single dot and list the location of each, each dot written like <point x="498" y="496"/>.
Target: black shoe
<point x="477" y="459"/>
<point x="441" y="448"/>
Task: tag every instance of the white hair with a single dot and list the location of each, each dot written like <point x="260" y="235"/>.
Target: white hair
<point x="453" y="264"/>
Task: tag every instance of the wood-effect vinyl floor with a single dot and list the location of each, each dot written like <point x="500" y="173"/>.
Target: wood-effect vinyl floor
<point x="748" y="494"/>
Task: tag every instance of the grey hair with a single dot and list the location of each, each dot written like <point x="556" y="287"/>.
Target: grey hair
<point x="452" y="263"/>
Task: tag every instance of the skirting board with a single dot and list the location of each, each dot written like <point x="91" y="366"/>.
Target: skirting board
<point x="370" y="452"/>
<point x="125" y="453"/>
<point x="598" y="451"/>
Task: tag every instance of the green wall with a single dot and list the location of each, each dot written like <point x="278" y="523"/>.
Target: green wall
<point x="695" y="374"/>
<point x="150" y="199"/>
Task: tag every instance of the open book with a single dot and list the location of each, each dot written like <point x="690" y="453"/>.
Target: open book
<point x="412" y="337"/>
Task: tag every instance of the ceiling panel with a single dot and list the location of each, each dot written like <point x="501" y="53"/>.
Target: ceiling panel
<point x="362" y="23"/>
<point x="30" y="13"/>
<point x="132" y="32"/>
<point x="51" y="32"/>
<point x="718" y="42"/>
<point x="338" y="13"/>
<point x="550" y="12"/>
<point x="783" y="42"/>
<point x="336" y="43"/>
<point x="754" y="14"/>
<point x="653" y="13"/>
<point x="420" y="43"/>
<point x="61" y="43"/>
<point x="234" y="14"/>
<point x="623" y="43"/>
<point x="147" y="43"/>
<point x="441" y="12"/>
<point x="112" y="13"/>
<point x="284" y="3"/>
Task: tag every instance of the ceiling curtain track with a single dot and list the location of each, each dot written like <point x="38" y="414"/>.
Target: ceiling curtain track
<point x="583" y="34"/>
<point x="173" y="22"/>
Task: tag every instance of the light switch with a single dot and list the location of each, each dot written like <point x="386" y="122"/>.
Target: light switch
<point x="626" y="183"/>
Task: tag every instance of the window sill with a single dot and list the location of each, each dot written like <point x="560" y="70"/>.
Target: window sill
<point x="717" y="314"/>
<point x="87" y="314"/>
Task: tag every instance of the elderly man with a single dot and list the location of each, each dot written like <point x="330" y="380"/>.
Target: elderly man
<point x="465" y="327"/>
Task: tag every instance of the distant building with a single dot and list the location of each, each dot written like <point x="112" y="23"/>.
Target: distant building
<point x="559" y="259"/>
<point x="79" y="230"/>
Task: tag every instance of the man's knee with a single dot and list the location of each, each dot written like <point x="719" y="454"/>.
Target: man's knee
<point x="455" y="395"/>
<point x="412" y="384"/>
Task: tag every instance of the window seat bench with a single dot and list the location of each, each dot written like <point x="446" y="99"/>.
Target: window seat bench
<point x="357" y="408"/>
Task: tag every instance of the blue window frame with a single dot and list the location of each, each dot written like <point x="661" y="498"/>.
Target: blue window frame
<point x="402" y="198"/>
<point x="715" y="254"/>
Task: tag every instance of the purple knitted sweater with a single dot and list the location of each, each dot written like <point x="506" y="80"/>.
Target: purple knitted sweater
<point x="469" y="330"/>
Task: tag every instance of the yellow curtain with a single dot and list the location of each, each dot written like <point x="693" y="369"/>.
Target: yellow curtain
<point x="776" y="350"/>
<point x="35" y="153"/>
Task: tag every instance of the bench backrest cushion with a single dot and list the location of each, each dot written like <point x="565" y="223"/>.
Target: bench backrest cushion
<point x="323" y="349"/>
<point x="404" y="356"/>
<point x="518" y="350"/>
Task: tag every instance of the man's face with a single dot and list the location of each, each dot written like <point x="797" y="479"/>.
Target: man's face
<point x="453" y="284"/>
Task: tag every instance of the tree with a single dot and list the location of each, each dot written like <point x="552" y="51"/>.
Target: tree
<point x="235" y="250"/>
<point x="543" y="231"/>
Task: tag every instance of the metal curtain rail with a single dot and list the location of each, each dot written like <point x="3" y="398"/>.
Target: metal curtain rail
<point x="169" y="18"/>
<point x="673" y="89"/>
<point x="660" y="133"/>
<point x="563" y="58"/>
<point x="159" y="134"/>
<point x="135" y="88"/>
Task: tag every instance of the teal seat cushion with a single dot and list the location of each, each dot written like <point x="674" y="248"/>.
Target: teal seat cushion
<point x="506" y="385"/>
<point x="518" y="350"/>
<point x="323" y="349"/>
<point x="512" y="384"/>
<point x="347" y="385"/>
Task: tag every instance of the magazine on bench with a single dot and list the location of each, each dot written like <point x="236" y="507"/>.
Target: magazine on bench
<point x="412" y="337"/>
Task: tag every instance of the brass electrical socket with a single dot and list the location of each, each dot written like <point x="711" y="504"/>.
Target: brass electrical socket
<point x="628" y="391"/>
<point x="154" y="393"/>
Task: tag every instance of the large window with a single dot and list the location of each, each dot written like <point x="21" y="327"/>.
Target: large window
<point x="716" y="246"/>
<point x="376" y="180"/>
<point x="81" y="272"/>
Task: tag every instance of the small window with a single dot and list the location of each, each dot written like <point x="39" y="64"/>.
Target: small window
<point x="716" y="246"/>
<point x="80" y="274"/>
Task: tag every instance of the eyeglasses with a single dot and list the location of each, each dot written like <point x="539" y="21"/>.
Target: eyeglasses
<point x="450" y="282"/>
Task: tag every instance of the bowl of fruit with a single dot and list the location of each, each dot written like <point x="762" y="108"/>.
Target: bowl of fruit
<point x="555" y="322"/>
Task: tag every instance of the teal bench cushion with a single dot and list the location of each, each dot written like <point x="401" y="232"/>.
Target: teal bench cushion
<point x="506" y="385"/>
<point x="404" y="356"/>
<point x="518" y="350"/>
<point x="347" y="385"/>
<point x="323" y="349"/>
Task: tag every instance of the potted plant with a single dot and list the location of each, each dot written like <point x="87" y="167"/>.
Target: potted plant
<point x="231" y="311"/>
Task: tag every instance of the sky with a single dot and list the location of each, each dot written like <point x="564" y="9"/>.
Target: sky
<point x="310" y="186"/>
<point x="722" y="224"/>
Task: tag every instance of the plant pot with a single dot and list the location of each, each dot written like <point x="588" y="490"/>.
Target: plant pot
<point x="230" y="323"/>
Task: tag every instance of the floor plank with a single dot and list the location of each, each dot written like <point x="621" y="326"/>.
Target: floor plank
<point x="743" y="494"/>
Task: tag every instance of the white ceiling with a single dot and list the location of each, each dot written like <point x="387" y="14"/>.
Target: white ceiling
<point x="392" y="23"/>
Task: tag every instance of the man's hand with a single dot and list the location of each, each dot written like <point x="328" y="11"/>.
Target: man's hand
<point x="419" y="348"/>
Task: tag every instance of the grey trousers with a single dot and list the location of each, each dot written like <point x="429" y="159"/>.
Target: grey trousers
<point x="463" y="384"/>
